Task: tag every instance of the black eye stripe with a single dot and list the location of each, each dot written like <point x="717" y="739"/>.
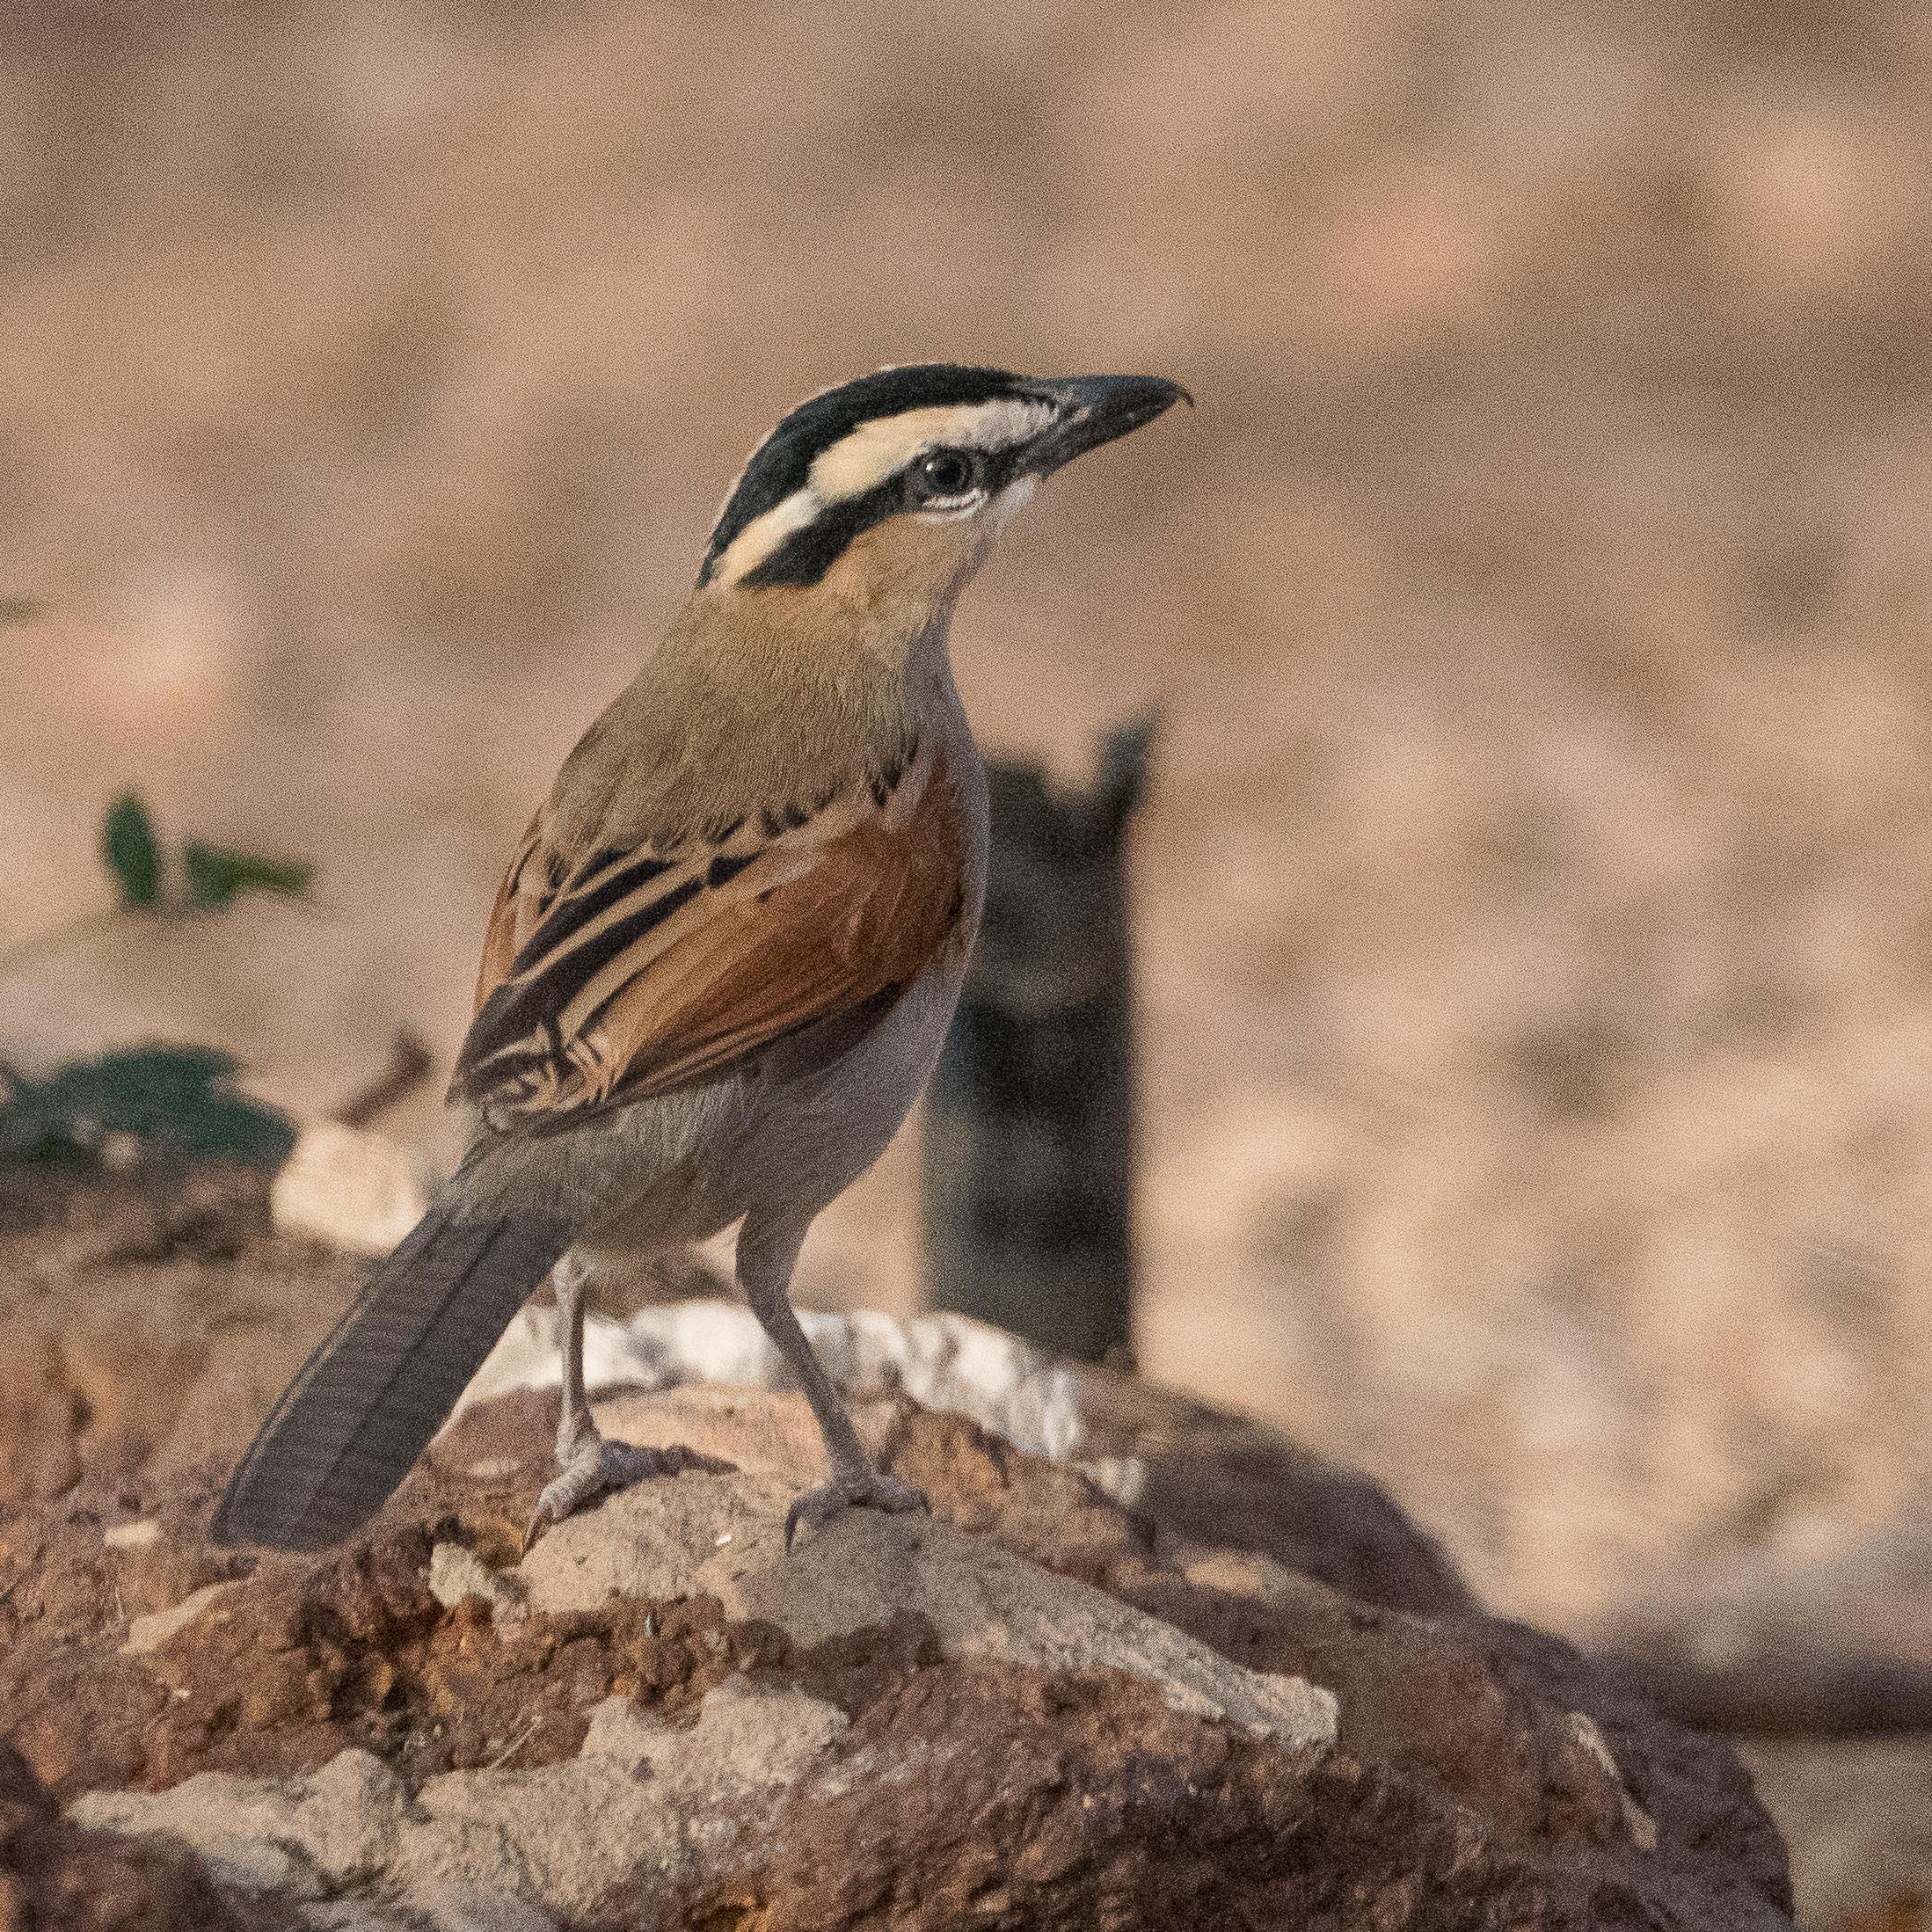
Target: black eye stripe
<point x="806" y="556"/>
<point x="780" y="465"/>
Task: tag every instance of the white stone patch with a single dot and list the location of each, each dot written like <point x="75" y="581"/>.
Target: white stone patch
<point x="943" y="1362"/>
<point x="351" y="1188"/>
<point x="1638" y="1823"/>
<point x="456" y="1573"/>
<point x="655" y="1804"/>
<point x="363" y="1193"/>
<point x="150" y="1632"/>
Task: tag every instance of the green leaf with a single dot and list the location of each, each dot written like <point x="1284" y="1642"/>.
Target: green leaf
<point x="215" y="875"/>
<point x="132" y="852"/>
<point x="177" y="1099"/>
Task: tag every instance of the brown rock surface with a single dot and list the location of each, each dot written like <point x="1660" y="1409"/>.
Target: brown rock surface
<point x="55" y="1877"/>
<point x="1037" y="1708"/>
<point x="149" y="1321"/>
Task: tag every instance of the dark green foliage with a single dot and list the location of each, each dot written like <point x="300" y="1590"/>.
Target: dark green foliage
<point x="132" y="852"/>
<point x="176" y="1100"/>
<point x="213" y="875"/>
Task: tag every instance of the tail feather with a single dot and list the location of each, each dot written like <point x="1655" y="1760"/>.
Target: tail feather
<point x="365" y="1403"/>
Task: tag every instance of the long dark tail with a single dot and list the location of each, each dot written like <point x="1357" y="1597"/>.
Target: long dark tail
<point x="368" y="1399"/>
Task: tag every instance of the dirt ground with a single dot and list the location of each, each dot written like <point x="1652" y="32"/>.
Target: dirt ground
<point x="1536" y="975"/>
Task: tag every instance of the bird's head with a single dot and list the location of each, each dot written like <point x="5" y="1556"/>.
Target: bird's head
<point x="889" y="490"/>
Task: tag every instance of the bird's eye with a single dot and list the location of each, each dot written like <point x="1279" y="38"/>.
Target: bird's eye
<point x="945" y="473"/>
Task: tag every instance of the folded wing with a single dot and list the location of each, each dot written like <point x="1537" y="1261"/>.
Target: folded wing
<point x="639" y="969"/>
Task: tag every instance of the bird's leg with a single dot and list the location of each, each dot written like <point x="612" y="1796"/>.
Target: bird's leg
<point x="765" y="1262"/>
<point x="574" y="1426"/>
<point x="588" y="1464"/>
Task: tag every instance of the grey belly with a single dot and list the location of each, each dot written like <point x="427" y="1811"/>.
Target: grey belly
<point x="775" y="1145"/>
<point x="820" y="1133"/>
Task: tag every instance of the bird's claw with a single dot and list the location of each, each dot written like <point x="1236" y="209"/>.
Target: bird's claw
<point x="867" y="1489"/>
<point x="593" y="1466"/>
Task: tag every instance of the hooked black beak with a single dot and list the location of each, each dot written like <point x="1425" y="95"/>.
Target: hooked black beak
<point x="1097" y="408"/>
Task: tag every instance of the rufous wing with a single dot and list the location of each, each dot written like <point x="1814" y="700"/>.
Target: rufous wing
<point x="649" y="969"/>
<point x="521" y="899"/>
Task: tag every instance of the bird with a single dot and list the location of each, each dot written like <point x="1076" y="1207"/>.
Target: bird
<point x="724" y="956"/>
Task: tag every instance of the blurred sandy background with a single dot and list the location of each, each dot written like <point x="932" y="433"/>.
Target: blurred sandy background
<point x="1537" y="948"/>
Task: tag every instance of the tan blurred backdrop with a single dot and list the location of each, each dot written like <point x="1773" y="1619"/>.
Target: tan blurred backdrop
<point x="1536" y="944"/>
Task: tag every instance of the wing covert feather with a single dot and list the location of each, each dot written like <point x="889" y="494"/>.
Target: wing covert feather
<point x="647" y="971"/>
<point x="519" y="906"/>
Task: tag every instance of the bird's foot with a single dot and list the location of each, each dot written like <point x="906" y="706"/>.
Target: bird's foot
<point x="863" y="1488"/>
<point x="593" y="1467"/>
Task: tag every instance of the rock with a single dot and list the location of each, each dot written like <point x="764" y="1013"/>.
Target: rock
<point x="150" y="1324"/>
<point x="456" y="1573"/>
<point x="725" y="1539"/>
<point x="1034" y="1708"/>
<point x="352" y="1188"/>
<point x="942" y="1362"/>
<point x="55" y="1877"/>
<point x="1222" y="1479"/>
<point x="222" y="1309"/>
<point x="664" y="1808"/>
<point x="150" y="1632"/>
